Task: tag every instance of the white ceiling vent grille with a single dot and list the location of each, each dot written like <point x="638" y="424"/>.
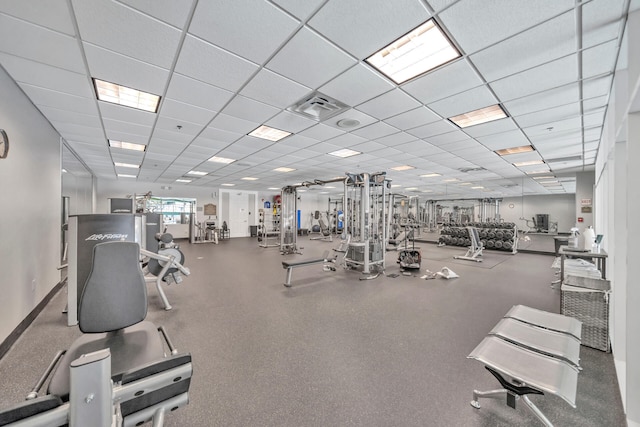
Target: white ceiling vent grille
<point x="318" y="106"/>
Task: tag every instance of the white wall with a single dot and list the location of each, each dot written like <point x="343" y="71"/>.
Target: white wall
<point x="79" y="190"/>
<point x="31" y="200"/>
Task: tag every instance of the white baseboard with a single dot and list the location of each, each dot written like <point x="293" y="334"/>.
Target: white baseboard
<point x="621" y="373"/>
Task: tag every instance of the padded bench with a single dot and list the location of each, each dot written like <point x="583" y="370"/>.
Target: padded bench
<point x="531" y="351"/>
<point x="290" y="265"/>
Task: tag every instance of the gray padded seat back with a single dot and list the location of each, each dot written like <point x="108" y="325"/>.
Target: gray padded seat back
<point x="115" y="294"/>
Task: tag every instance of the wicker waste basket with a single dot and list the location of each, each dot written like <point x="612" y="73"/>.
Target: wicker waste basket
<point x="587" y="299"/>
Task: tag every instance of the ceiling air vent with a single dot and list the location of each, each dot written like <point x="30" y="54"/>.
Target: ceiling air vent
<point x="318" y="107"/>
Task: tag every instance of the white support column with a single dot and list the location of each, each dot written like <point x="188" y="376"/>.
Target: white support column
<point x="633" y="224"/>
<point x="618" y="261"/>
<point x="633" y="272"/>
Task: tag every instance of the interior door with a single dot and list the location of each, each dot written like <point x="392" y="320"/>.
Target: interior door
<point x="239" y="214"/>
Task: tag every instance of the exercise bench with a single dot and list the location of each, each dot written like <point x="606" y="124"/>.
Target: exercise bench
<point x="531" y="351"/>
<point x="290" y="265"/>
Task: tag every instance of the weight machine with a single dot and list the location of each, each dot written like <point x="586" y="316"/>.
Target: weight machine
<point x="365" y="208"/>
<point x="289" y="220"/>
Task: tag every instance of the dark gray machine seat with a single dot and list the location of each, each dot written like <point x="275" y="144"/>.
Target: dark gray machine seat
<point x="112" y="308"/>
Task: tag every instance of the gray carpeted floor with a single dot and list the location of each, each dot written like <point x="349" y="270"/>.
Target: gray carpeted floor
<point x="334" y="350"/>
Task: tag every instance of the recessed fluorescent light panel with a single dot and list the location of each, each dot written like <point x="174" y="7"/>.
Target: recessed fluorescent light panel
<point x="284" y="170"/>
<point x="415" y="53"/>
<point x="122" y="95"/>
<point x="514" y="150"/>
<point x="249" y="178"/>
<point x="183" y="180"/>
<point x="224" y="160"/>
<point x="274" y="188"/>
<point x="127" y="145"/>
<point x="528" y="163"/>
<point x="269" y="133"/>
<point x="477" y="188"/>
<point x="544" y="177"/>
<point x="198" y="173"/>
<point x="122" y="175"/>
<point x="345" y="152"/>
<point x="430" y="175"/>
<point x="403" y="168"/>
<point x="126" y="165"/>
<point x="227" y="185"/>
<point x="451" y="180"/>
<point x="476" y="117"/>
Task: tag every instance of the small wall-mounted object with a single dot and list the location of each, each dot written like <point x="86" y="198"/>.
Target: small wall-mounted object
<point x="4" y="144"/>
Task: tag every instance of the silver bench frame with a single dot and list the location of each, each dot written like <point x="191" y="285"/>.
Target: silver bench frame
<point x="531" y="352"/>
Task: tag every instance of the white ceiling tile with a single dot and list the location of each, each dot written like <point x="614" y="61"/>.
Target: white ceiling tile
<point x="432" y="129"/>
<point x="249" y="109"/>
<point x="390" y="104"/>
<point x="50" y="98"/>
<point x="321" y="132"/>
<point x="601" y="21"/>
<point x="346" y="140"/>
<point x="46" y="76"/>
<point x="477" y="25"/>
<point x="126" y="71"/>
<point x="220" y="135"/>
<point x="190" y="91"/>
<point x="299" y="9"/>
<point x="357" y="85"/>
<point x="558" y="126"/>
<point x="450" y="79"/>
<point x="498" y="141"/>
<point x="414" y="118"/>
<point x="40" y="44"/>
<point x="273" y="89"/>
<point x="543" y="43"/>
<point x="547" y="76"/>
<point x="290" y="122"/>
<point x="376" y="130"/>
<point x="396" y="139"/>
<point x="233" y="124"/>
<point x="52" y="14"/>
<point x="544" y="100"/>
<point x="548" y="115"/>
<point x="187" y="129"/>
<point x="446" y="139"/>
<point x="310" y="60"/>
<point x="464" y="102"/>
<point x="379" y="23"/>
<point x="296" y="142"/>
<point x="496" y="126"/>
<point x="121" y="29"/>
<point x="210" y="64"/>
<point x="127" y="137"/>
<point x="596" y="87"/>
<point x="57" y="116"/>
<point x="126" y="127"/>
<point x="182" y="112"/>
<point x="263" y="26"/>
<point x="174" y="12"/>
<point x="118" y="112"/>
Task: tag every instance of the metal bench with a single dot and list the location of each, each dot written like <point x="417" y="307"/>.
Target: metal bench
<point x="290" y="265"/>
<point x="531" y="351"/>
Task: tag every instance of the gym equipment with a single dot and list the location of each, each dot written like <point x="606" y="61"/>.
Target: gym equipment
<point x="328" y="264"/>
<point x="268" y="228"/>
<point x="474" y="253"/>
<point x="531" y="352"/>
<point x="409" y="258"/>
<point x="165" y="265"/>
<point x="364" y="210"/>
<point x="489" y="233"/>
<point x="289" y="220"/>
<point x="323" y="228"/>
<point x="118" y="347"/>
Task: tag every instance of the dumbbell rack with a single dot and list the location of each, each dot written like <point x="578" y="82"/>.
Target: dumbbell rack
<point x="268" y="228"/>
<point x="501" y="236"/>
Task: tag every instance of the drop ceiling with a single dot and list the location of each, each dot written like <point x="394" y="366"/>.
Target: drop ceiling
<point x="223" y="68"/>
